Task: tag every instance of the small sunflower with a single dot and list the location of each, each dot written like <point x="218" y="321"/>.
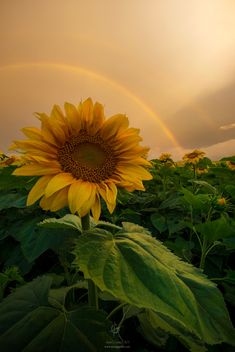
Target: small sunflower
<point x="230" y="164"/>
<point x="164" y="157"/>
<point x="202" y="170"/>
<point x="193" y="157"/>
<point x="81" y="156"/>
<point x="222" y="201"/>
<point x="9" y="160"/>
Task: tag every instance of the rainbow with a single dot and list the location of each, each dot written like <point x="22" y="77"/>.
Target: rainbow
<point x="97" y="76"/>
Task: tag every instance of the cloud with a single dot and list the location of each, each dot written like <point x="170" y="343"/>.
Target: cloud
<point x="228" y="127"/>
<point x="207" y="120"/>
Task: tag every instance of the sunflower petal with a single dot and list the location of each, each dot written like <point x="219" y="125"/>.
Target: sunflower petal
<point x="35" y="170"/>
<point x="114" y="125"/>
<point x="52" y="132"/>
<point x="108" y="192"/>
<point x="73" y="117"/>
<point x="79" y="193"/>
<point x="60" y="199"/>
<point x="58" y="182"/>
<point x="87" y="112"/>
<point x="32" y="133"/>
<point x="35" y="146"/>
<point x="61" y="122"/>
<point x="55" y="202"/>
<point x="96" y="208"/>
<point x="134" y="172"/>
<point x="38" y="189"/>
<point x="85" y="208"/>
<point x="98" y="118"/>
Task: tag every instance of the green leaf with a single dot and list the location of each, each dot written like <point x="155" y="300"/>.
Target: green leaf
<point x="230" y="189"/>
<point x="216" y="229"/>
<point x="199" y="202"/>
<point x="181" y="247"/>
<point x="102" y="223"/>
<point x="130" y="227"/>
<point x="35" y="240"/>
<point x="29" y="323"/>
<point x="9" y="181"/>
<point x="206" y="185"/>
<point x="69" y="221"/>
<point x="12" y="200"/>
<point x="159" y="222"/>
<point x="157" y="324"/>
<point x="139" y="270"/>
<point x="151" y="333"/>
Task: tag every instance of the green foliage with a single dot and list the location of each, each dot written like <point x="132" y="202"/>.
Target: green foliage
<point x="139" y="270"/>
<point x="42" y="325"/>
<point x="154" y="300"/>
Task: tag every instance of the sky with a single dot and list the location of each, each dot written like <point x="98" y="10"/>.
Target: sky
<point x="167" y="64"/>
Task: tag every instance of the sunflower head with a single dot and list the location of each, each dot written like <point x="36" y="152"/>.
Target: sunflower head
<point x="164" y="157"/>
<point x="230" y="164"/>
<point x="9" y="160"/>
<point x="193" y="157"/>
<point x="81" y="157"/>
<point x="202" y="170"/>
<point x="222" y="201"/>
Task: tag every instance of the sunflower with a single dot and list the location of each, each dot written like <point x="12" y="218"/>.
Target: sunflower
<point x="81" y="158"/>
<point x="164" y="157"/>
<point x="230" y="164"/>
<point x="193" y="157"/>
<point x="8" y="160"/>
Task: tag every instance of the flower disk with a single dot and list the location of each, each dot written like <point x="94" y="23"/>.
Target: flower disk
<point x="81" y="156"/>
<point x="194" y="156"/>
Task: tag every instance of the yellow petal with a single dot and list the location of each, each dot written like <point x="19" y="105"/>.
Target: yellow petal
<point x="74" y="119"/>
<point x="38" y="189"/>
<point x="87" y="112"/>
<point x="114" y="125"/>
<point x="134" y="172"/>
<point x="135" y="161"/>
<point x="89" y="203"/>
<point x="35" y="170"/>
<point x="32" y="133"/>
<point x="108" y="192"/>
<point x="55" y="202"/>
<point x="98" y="118"/>
<point x="96" y="208"/>
<point x="52" y="132"/>
<point x="60" y="199"/>
<point x="58" y="117"/>
<point x="79" y="193"/>
<point x="59" y="181"/>
<point x="35" y="146"/>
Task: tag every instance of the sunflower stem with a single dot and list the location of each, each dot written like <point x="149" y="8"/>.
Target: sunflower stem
<point x="92" y="289"/>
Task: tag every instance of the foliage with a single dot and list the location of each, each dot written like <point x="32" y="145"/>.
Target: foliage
<point x="157" y="261"/>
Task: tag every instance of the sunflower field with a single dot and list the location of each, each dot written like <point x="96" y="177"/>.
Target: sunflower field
<point x="162" y="265"/>
<point x="101" y="249"/>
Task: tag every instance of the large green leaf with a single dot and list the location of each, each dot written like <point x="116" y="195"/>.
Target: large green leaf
<point x="156" y="324"/>
<point x="139" y="270"/>
<point x="35" y="240"/>
<point x="216" y="229"/>
<point x="68" y="221"/>
<point x="28" y="323"/>
<point x="10" y="200"/>
<point x="9" y="181"/>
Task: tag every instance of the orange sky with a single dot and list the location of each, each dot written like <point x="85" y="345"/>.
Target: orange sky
<point x="168" y="64"/>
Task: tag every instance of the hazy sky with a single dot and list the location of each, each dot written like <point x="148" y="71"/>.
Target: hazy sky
<point x="168" y="64"/>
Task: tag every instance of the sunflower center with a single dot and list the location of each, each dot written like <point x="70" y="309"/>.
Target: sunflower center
<point x="89" y="154"/>
<point x="193" y="155"/>
<point x="87" y="157"/>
